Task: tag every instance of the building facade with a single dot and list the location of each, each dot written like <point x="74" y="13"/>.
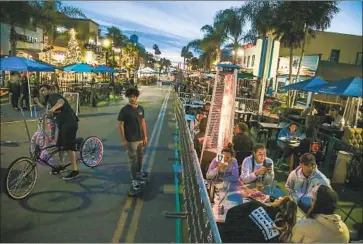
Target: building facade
<point x="29" y="41"/>
<point x="333" y="47"/>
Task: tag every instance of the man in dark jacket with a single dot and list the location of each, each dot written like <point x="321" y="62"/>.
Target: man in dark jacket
<point x="14" y="89"/>
<point x="242" y="143"/>
<point x="24" y="90"/>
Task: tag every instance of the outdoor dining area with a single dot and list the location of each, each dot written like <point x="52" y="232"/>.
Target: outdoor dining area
<point x="336" y="145"/>
<point x="76" y="78"/>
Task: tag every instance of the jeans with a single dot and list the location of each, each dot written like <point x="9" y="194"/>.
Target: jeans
<point x="135" y="150"/>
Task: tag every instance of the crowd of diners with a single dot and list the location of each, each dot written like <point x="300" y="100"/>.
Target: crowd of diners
<point x="309" y="189"/>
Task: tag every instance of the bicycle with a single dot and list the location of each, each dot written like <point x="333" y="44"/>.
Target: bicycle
<point x="90" y="151"/>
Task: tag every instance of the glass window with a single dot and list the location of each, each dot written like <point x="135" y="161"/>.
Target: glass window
<point x="248" y="61"/>
<point x="253" y="61"/>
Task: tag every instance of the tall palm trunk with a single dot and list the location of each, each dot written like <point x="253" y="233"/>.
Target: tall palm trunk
<point x="218" y="52"/>
<point x="13" y="39"/>
<point x="290" y="75"/>
<point x="300" y="61"/>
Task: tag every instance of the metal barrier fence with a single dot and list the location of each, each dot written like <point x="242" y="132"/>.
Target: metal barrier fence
<point x="201" y="223"/>
<point x="195" y="97"/>
<point x="247" y="104"/>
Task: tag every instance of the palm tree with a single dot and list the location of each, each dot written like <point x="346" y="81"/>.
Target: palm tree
<point x="184" y="54"/>
<point x="118" y="39"/>
<point x="52" y="13"/>
<point x="232" y="21"/>
<point x="17" y="13"/>
<point x="298" y="22"/>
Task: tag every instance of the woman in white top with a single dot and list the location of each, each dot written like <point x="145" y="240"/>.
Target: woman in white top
<point x="257" y="167"/>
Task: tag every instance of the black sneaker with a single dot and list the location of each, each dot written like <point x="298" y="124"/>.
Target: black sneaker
<point x="71" y="175"/>
<point x="135" y="185"/>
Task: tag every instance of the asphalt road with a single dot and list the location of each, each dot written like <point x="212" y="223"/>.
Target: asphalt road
<point x="95" y="206"/>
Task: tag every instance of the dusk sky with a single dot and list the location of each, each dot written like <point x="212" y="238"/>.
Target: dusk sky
<point x="172" y="24"/>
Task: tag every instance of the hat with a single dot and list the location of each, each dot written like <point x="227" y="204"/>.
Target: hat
<point x="308" y="159"/>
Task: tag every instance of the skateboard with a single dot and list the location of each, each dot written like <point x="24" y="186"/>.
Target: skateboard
<point x="139" y="192"/>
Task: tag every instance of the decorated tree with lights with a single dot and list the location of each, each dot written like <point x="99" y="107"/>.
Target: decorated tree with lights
<point x="74" y="54"/>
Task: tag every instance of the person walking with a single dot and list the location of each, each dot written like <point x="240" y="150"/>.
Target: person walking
<point x="24" y="90"/>
<point x="14" y="89"/>
<point x="133" y="134"/>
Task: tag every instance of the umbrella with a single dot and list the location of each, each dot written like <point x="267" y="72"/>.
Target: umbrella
<point x="23" y="64"/>
<point x="78" y="68"/>
<point x="351" y="87"/>
<point x="103" y="69"/>
<point x="306" y="84"/>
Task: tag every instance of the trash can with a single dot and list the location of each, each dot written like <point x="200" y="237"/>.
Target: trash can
<point x="341" y="167"/>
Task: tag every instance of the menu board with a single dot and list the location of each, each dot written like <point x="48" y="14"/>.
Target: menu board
<point x="73" y="100"/>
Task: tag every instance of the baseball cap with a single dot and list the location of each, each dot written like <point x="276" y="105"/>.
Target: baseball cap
<point x="308" y="159"/>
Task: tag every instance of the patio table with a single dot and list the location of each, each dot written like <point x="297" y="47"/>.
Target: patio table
<point x="233" y="197"/>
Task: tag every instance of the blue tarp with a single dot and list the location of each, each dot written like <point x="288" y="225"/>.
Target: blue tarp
<point x="305" y="84"/>
<point x="231" y="66"/>
<point x="78" y="68"/>
<point x="23" y="64"/>
<point x="351" y="87"/>
<point x="103" y="69"/>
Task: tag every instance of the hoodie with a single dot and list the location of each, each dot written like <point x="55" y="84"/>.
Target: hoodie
<point x="300" y="186"/>
<point x="321" y="229"/>
<point x="248" y="171"/>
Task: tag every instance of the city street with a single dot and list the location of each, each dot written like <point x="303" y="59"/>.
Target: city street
<point x="95" y="207"/>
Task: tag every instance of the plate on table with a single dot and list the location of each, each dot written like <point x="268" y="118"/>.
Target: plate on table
<point x="283" y="138"/>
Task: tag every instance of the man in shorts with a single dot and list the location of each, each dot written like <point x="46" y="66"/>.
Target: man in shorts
<point x="67" y="123"/>
<point x="133" y="135"/>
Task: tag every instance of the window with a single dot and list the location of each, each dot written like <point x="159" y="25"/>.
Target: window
<point x="334" y="56"/>
<point x="244" y="60"/>
<point x="248" y="61"/>
<point x="358" y="60"/>
<point x="253" y="61"/>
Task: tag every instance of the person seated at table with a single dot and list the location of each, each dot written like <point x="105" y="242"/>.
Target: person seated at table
<point x="242" y="142"/>
<point x="338" y="120"/>
<point x="199" y="137"/>
<point x="302" y="180"/>
<point x="305" y="146"/>
<point x="257" y="167"/>
<point x="227" y="170"/>
<point x="206" y="109"/>
<point x="195" y="123"/>
<point x="321" y="224"/>
<point x="287" y="133"/>
<point x="256" y="222"/>
<point x="307" y="112"/>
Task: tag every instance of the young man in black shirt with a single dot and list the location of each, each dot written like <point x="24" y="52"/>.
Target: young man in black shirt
<point x="133" y="135"/>
<point x="67" y="123"/>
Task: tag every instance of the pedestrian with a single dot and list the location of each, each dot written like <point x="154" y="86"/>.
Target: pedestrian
<point x="67" y="122"/>
<point x="14" y="89"/>
<point x="134" y="136"/>
<point x="24" y="90"/>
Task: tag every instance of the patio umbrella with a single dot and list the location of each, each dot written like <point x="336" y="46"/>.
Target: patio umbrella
<point x="351" y="87"/>
<point x="78" y="68"/>
<point x="22" y="64"/>
<point x="103" y="69"/>
<point x="305" y="84"/>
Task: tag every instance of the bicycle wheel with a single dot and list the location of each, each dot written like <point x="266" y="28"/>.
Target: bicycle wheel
<point x="20" y="182"/>
<point x="91" y="151"/>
